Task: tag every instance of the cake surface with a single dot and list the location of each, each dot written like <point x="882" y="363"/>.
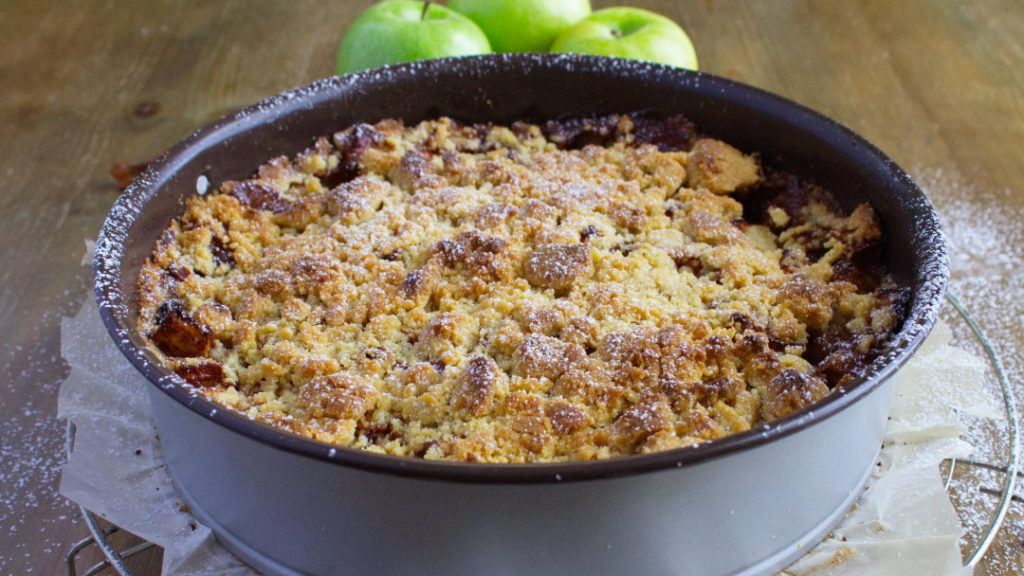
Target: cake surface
<point x="578" y="289"/>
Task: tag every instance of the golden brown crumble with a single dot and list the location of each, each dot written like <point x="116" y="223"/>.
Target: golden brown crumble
<point x="579" y="289"/>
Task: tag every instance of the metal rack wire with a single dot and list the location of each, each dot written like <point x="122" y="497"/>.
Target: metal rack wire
<point x="115" y="559"/>
<point x="1010" y="472"/>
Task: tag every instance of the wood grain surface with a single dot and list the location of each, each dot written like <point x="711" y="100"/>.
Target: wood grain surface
<point x="937" y="84"/>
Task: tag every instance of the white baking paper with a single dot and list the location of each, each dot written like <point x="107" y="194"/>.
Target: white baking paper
<point x="115" y="469"/>
<point x="903" y="524"/>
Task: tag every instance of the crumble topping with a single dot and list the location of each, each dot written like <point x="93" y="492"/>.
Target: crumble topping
<point x="579" y="289"/>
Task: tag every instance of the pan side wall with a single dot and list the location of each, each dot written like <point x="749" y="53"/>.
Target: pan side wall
<point x="749" y="512"/>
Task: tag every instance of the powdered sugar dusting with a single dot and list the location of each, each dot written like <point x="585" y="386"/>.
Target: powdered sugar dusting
<point x="33" y="516"/>
<point x="986" y="247"/>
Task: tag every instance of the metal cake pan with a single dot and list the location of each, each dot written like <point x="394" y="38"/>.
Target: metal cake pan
<point x="746" y="504"/>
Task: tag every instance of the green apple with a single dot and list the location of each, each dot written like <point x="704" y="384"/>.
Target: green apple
<point x="629" y="33"/>
<point x="522" y="25"/>
<point x="403" y="30"/>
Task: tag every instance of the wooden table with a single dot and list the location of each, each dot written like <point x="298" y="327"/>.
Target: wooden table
<point x="939" y="85"/>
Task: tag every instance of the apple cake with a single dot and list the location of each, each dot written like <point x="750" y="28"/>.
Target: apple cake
<point x="581" y="288"/>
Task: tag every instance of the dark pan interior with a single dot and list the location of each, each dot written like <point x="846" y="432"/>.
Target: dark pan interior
<point x="503" y="88"/>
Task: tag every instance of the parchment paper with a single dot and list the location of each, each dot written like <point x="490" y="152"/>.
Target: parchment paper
<point x="903" y="524"/>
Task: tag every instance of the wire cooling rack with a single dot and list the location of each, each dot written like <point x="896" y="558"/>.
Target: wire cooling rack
<point x="1008" y="471"/>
